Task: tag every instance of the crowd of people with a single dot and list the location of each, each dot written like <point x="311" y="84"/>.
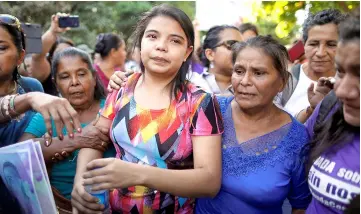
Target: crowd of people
<point x="178" y="124"/>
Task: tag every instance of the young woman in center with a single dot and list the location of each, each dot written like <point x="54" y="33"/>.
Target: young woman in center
<point x="166" y="131"/>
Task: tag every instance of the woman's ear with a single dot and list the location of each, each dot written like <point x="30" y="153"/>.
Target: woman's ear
<point x="209" y="54"/>
<point x="189" y="51"/>
<point x="21" y="57"/>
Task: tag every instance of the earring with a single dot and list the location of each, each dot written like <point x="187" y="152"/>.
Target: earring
<point x="211" y="65"/>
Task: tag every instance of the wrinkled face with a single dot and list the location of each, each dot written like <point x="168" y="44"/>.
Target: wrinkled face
<point x="255" y="80"/>
<point x="75" y="81"/>
<point x="320" y="47"/>
<point x="120" y="54"/>
<point x="9" y="55"/>
<point x="164" y="46"/>
<point x="221" y="56"/>
<point x="347" y="86"/>
<point x="248" y="34"/>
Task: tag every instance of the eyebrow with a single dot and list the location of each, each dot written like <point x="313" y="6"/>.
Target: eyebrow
<point x="77" y="70"/>
<point x="172" y="35"/>
<point x="237" y="65"/>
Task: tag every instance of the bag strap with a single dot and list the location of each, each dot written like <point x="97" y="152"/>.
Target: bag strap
<point x="292" y="83"/>
<point x="327" y="105"/>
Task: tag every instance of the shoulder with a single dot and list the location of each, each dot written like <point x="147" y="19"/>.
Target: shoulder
<point x="198" y="94"/>
<point x="30" y="84"/>
<point x="298" y="135"/>
<point x="36" y="125"/>
<point x="102" y="103"/>
<point x="224" y="102"/>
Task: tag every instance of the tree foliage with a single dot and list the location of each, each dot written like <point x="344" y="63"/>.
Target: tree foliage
<point x="95" y="16"/>
<point x="277" y="18"/>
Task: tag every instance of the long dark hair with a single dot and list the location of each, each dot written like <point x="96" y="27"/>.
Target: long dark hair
<point x="335" y="132"/>
<point x="19" y="41"/>
<point x="99" y="92"/>
<point x="179" y="82"/>
<point x="211" y="40"/>
<point x="106" y="42"/>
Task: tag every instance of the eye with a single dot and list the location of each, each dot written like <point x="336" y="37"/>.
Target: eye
<point x="64" y="77"/>
<point x="312" y="44"/>
<point x="332" y="45"/>
<point x="258" y="73"/>
<point x="151" y="36"/>
<point x="3" y="48"/>
<point x="239" y="71"/>
<point x="177" y="41"/>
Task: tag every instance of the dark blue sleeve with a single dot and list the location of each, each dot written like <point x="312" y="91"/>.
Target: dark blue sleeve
<point x="299" y="194"/>
<point x="223" y="103"/>
<point x="30" y="84"/>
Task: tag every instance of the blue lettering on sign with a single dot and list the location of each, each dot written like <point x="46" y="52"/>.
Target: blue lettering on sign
<point x="334" y="188"/>
<point x="342" y="193"/>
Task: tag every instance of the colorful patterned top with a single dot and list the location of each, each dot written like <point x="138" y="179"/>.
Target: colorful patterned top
<point x="159" y="138"/>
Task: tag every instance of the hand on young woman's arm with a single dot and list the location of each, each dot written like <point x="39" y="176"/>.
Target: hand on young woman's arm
<point x="56" y="150"/>
<point x="49" y="106"/>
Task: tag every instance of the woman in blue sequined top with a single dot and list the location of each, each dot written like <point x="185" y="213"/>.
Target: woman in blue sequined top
<point x="262" y="165"/>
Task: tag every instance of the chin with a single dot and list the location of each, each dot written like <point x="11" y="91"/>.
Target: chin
<point x="76" y="102"/>
<point x="351" y="119"/>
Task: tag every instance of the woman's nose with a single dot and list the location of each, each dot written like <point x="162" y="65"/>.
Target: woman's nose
<point x="161" y="46"/>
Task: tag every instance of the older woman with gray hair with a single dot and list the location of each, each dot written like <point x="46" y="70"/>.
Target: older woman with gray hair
<point x="77" y="82"/>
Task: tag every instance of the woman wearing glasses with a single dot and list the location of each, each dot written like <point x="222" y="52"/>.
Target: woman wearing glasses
<point x="18" y="95"/>
<point x="216" y="56"/>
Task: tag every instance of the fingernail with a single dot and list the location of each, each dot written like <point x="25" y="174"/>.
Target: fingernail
<point x="71" y="135"/>
<point x="60" y="137"/>
<point x="47" y="143"/>
<point x="79" y="130"/>
<point x="50" y="132"/>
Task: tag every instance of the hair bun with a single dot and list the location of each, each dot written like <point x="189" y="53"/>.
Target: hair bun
<point x="99" y="47"/>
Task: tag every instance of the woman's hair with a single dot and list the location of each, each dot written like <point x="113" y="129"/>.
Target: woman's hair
<point x="59" y="41"/>
<point x="179" y="82"/>
<point x="99" y="92"/>
<point x="336" y="131"/>
<point x="248" y="26"/>
<point x="270" y="47"/>
<point x="19" y="41"/>
<point x="106" y="42"/>
<point x="211" y="40"/>
<point x="321" y="18"/>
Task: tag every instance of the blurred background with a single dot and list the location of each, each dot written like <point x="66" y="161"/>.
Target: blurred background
<point x="281" y="19"/>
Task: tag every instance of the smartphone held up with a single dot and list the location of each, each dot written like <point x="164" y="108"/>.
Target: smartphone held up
<point x="68" y="21"/>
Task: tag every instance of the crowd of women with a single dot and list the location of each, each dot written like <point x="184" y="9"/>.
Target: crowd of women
<point x="246" y="134"/>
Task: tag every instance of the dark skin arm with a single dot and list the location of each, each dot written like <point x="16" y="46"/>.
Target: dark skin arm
<point x="50" y="107"/>
<point x="91" y="137"/>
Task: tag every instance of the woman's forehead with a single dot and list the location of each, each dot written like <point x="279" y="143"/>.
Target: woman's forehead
<point x="165" y="25"/>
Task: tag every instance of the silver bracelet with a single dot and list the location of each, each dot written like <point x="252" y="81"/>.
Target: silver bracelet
<point x="1" y="108"/>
